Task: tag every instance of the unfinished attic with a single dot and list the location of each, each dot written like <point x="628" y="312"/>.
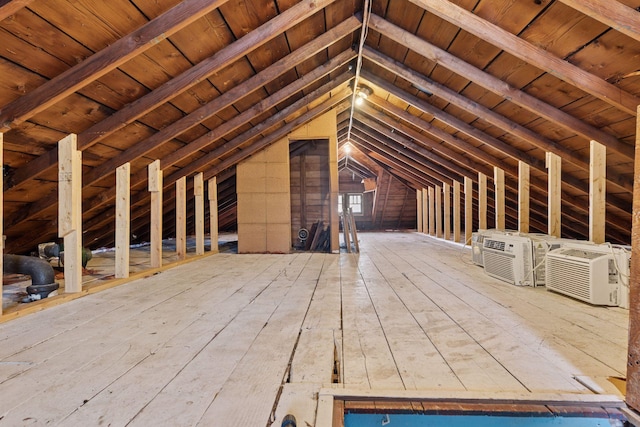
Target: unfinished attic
<point x="334" y="213"/>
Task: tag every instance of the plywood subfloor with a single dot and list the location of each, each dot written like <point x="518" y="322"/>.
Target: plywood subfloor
<point x="244" y="339"/>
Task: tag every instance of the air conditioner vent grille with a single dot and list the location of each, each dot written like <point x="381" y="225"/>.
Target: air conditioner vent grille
<point x="569" y="278"/>
<point x="499" y="266"/>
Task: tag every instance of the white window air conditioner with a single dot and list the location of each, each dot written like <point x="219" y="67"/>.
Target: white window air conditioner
<point x="509" y="258"/>
<point x="477" y="239"/>
<point x="543" y="243"/>
<point x="597" y="274"/>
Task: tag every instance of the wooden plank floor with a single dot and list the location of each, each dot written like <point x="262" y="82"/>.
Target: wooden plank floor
<point x="245" y="339"/>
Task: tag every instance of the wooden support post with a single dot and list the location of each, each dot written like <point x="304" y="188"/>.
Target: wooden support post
<point x="354" y="231"/>
<point x="554" y="165"/>
<point x="468" y="210"/>
<point x="524" y="185"/>
<point x="438" y="191"/>
<point x="498" y="181"/>
<point x="1" y="214"/>
<point x="213" y="213"/>
<point x="425" y="210"/>
<point x="482" y="201"/>
<point x="123" y="218"/>
<point x="419" y="210"/>
<point x="456" y="211"/>
<point x="70" y="210"/>
<point x="597" y="192"/>
<point x="432" y="225"/>
<point x="633" y="362"/>
<point x="198" y="194"/>
<point x="155" y="188"/>
<point x="446" y="195"/>
<point x="181" y="217"/>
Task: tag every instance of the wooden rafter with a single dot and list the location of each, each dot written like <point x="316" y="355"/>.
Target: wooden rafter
<point x="532" y="54"/>
<point x="497" y="86"/>
<point x="616" y="15"/>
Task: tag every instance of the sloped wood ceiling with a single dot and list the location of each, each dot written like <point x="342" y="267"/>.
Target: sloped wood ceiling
<point x="459" y="86"/>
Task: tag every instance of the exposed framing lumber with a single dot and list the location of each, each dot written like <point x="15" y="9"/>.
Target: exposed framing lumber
<point x="213" y="212"/>
<point x="446" y="195"/>
<point x="597" y="192"/>
<point x="425" y="210"/>
<point x="432" y="214"/>
<point x="155" y="188"/>
<point x="181" y="218"/>
<point x="532" y="54"/>
<point x="555" y="198"/>
<point x="245" y="139"/>
<point x="524" y="188"/>
<point x="9" y="7"/>
<point x="480" y="136"/>
<point x="123" y="218"/>
<point x="181" y="83"/>
<point x="438" y="194"/>
<point x="612" y="13"/>
<point x="419" y="210"/>
<point x="70" y="211"/>
<point x="165" y="135"/>
<point x="633" y="360"/>
<point x="208" y="139"/>
<point x="108" y="59"/>
<point x="198" y="195"/>
<point x="497" y="86"/>
<point x="618" y="223"/>
<point x="468" y="210"/>
<point x="482" y="201"/>
<point x="498" y="182"/>
<point x="456" y="211"/>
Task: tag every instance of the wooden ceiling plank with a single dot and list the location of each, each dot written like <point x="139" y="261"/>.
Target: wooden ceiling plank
<point x="473" y="107"/>
<point x="9" y="7"/>
<point x="156" y="140"/>
<point x="615" y="202"/>
<point x="499" y="87"/>
<point x="452" y="121"/>
<point x="184" y="81"/>
<point x="616" y="15"/>
<point x="532" y="54"/>
<point x="418" y="148"/>
<point x="104" y="61"/>
<point x="108" y="195"/>
<point x="409" y="158"/>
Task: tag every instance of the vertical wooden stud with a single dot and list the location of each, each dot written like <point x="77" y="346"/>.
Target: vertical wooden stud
<point x="425" y="210"/>
<point x="123" y="218"/>
<point x="198" y="193"/>
<point x="554" y="165"/>
<point x="446" y="195"/>
<point x="155" y="188"/>
<point x="597" y="192"/>
<point x="633" y="361"/>
<point x="456" y="211"/>
<point x="468" y="210"/>
<point x="432" y="223"/>
<point x="482" y="201"/>
<point x="181" y="217"/>
<point x="524" y="185"/>
<point x="438" y="191"/>
<point x="213" y="213"/>
<point x="419" y="210"/>
<point x="1" y="214"/>
<point x="498" y="181"/>
<point x="70" y="210"/>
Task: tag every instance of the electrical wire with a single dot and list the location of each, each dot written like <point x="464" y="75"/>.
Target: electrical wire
<point x="366" y="13"/>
